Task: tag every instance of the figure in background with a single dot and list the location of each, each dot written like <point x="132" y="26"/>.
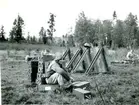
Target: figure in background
<point x="131" y="55"/>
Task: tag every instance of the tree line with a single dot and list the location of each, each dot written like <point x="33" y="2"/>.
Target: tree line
<point x="16" y="34"/>
<point x="112" y="33"/>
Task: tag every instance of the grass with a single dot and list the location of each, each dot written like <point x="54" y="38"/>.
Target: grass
<point x="119" y="88"/>
<point x="16" y="46"/>
<point x="25" y="46"/>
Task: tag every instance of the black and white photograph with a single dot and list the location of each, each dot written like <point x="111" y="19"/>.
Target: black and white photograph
<point x="69" y="52"/>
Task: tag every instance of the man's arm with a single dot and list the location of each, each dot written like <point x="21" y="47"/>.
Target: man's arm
<point x="61" y="71"/>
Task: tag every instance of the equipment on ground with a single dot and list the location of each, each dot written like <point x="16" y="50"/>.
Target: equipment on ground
<point x="82" y="59"/>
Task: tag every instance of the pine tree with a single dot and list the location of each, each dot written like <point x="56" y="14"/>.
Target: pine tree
<point x="131" y="29"/>
<point x="17" y="31"/>
<point x="114" y="15"/>
<point x="51" y="29"/>
<point x="2" y="34"/>
<point x="44" y="38"/>
<point x="28" y="38"/>
<point x="34" y="40"/>
<point x="43" y="35"/>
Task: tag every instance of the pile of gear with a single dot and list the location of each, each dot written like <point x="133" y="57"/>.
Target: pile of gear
<point x="49" y="70"/>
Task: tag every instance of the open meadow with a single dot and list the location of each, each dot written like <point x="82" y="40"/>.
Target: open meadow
<point x="121" y="87"/>
<point x="69" y="52"/>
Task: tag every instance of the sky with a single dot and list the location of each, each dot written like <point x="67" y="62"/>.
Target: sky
<point x="35" y="13"/>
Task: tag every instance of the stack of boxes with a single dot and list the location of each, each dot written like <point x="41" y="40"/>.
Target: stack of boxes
<point x="29" y="71"/>
<point x="40" y="71"/>
<point x="37" y="68"/>
<point x="81" y="89"/>
<point x="32" y="69"/>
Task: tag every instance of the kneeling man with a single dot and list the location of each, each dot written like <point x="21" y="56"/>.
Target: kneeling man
<point x="56" y="73"/>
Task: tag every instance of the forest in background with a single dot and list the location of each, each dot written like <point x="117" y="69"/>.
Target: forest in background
<point x="114" y="33"/>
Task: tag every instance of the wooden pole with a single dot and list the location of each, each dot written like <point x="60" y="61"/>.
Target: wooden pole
<point x="80" y="60"/>
<point x="73" y="59"/>
<point x="65" y="54"/>
<point x="93" y="61"/>
<point x="105" y="61"/>
<point x="83" y="62"/>
<point x="88" y="58"/>
<point x="69" y="57"/>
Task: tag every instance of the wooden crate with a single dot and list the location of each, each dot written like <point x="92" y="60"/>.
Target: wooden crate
<point x="82" y="94"/>
<point x="81" y="84"/>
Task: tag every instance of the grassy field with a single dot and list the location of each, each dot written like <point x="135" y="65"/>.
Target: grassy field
<point x="15" y="46"/>
<point x="119" y="88"/>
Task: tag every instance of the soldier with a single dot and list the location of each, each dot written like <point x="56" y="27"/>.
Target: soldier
<point x="132" y="57"/>
<point x="57" y="74"/>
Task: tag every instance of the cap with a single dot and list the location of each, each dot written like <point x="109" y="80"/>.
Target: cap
<point x="58" y="56"/>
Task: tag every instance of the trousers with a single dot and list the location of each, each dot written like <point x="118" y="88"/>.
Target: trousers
<point x="56" y="78"/>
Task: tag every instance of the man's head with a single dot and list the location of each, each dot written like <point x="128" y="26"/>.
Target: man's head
<point x="131" y="51"/>
<point x="58" y="56"/>
<point x="59" y="59"/>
